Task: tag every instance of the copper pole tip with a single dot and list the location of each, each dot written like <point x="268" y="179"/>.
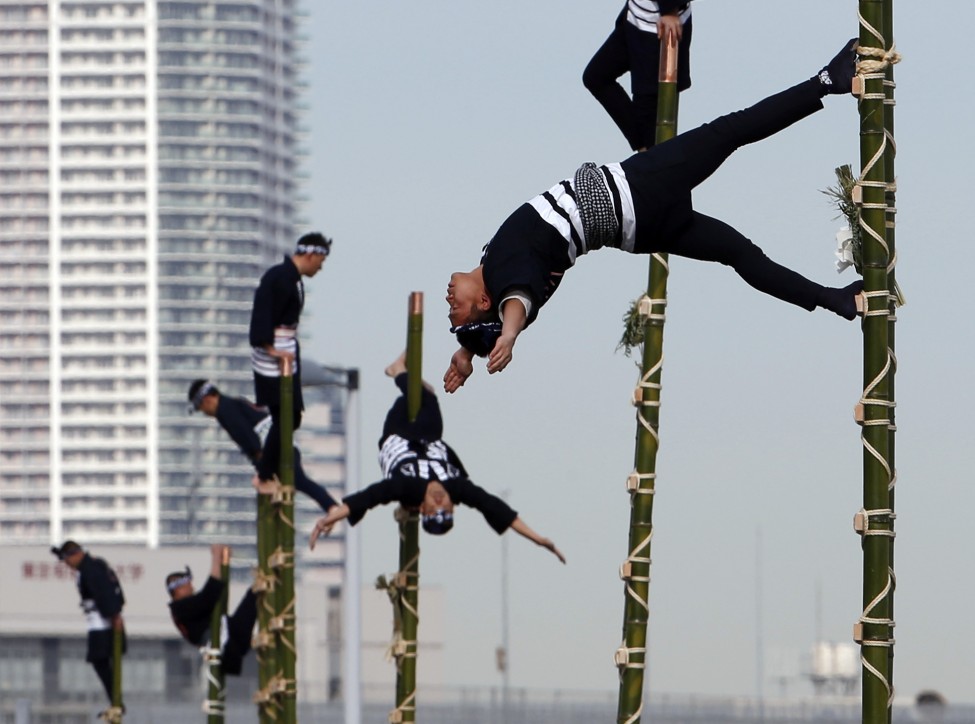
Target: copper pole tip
<point x="225" y="557"/>
<point x="668" y="61"/>
<point x="416" y="302"/>
<point x="286" y="365"/>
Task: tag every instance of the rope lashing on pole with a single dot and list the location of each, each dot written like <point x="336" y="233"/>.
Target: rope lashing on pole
<point x="874" y="628"/>
<point x="214" y="706"/>
<point x="630" y="657"/>
<point x="404" y="593"/>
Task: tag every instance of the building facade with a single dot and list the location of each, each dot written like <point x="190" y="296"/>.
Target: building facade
<point x="148" y="175"/>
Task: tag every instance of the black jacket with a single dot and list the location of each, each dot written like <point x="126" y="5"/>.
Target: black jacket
<point x="192" y="614"/>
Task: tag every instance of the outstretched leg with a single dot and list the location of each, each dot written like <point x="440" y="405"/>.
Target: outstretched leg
<point x="709" y="239"/>
<point x="240" y="626"/>
<point x="309" y="487"/>
<point x="428" y="424"/>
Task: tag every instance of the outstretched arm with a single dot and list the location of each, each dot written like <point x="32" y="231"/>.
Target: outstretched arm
<point x="324" y="525"/>
<point x="519" y="526"/>
<point x="459" y="370"/>
<point x="514" y="316"/>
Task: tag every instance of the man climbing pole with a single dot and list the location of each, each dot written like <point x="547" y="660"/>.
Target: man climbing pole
<point x="640" y="206"/>
<point x="248" y="425"/>
<point x="421" y="471"/>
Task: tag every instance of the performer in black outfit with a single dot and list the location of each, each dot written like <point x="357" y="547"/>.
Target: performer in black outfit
<point x="634" y="47"/>
<point x="421" y="471"/>
<point x="248" y="425"/>
<point x="192" y="611"/>
<point x="102" y="601"/>
<point x="278" y="302"/>
<point x="641" y="205"/>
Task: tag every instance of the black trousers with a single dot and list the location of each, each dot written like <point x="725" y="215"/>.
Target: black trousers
<point x="268" y="394"/>
<point x="704" y="150"/>
<point x="100" y="654"/>
<point x="428" y="425"/>
<point x="628" y="49"/>
<point x="240" y="627"/>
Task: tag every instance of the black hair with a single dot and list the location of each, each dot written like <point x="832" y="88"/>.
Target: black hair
<point x="195" y="386"/>
<point x="478" y="337"/>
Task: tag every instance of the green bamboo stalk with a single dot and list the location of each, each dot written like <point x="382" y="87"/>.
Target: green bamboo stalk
<point x="891" y="210"/>
<point x="408" y="578"/>
<point x="285" y="520"/>
<point x="116" y="712"/>
<point x="264" y="587"/>
<point x="631" y="656"/>
<point x="216" y="692"/>
<point x="874" y="631"/>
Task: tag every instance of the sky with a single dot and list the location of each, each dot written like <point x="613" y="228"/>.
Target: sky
<point x="429" y="122"/>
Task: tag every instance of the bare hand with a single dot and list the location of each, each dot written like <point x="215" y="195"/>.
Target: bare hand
<point x="324" y="525"/>
<point x="459" y="370"/>
<point x="501" y="354"/>
<point x="216" y="551"/>
<point x="117" y="623"/>
<point x="669" y="28"/>
<point x="546" y="543"/>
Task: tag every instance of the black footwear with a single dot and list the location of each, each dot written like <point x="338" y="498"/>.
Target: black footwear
<point x="841" y="301"/>
<point x="837" y="77"/>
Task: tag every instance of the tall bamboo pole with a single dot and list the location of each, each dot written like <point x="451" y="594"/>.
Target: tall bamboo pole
<point x="893" y="301"/>
<point x="264" y="586"/>
<point x="284" y="558"/>
<point x="631" y="656"/>
<point x="408" y="578"/>
<point x="215" y="704"/>
<point x="875" y="521"/>
<point x="116" y="712"/>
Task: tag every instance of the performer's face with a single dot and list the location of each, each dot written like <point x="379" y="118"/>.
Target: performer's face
<point x="184" y="591"/>
<point x="313" y="264"/>
<point x="465" y="294"/>
<point x="436" y="498"/>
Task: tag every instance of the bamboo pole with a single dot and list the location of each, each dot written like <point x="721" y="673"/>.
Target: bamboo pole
<point x="890" y="198"/>
<point x="284" y="556"/>
<point x="264" y="586"/>
<point x="215" y="704"/>
<point x="874" y="522"/>
<point x="635" y="571"/>
<point x="408" y="578"/>
<point x="116" y="712"/>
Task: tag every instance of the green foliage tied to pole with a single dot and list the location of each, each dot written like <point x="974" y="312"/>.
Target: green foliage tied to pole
<point x="645" y="325"/>
<point x="215" y="704"/>
<point x="407" y="582"/>
<point x="874" y="631"/>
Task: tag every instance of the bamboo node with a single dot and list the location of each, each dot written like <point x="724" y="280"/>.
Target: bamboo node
<point x="863" y="522"/>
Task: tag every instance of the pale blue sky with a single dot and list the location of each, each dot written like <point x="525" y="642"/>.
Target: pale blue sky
<point x="430" y="121"/>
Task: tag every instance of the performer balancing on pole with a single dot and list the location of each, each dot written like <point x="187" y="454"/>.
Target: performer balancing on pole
<point x="278" y="302"/>
<point x="102" y="601"/>
<point x="640" y="206"/>
<point x="191" y="611"/>
<point x="421" y="471"/>
<point x="248" y="425"/>
<point x="634" y="47"/>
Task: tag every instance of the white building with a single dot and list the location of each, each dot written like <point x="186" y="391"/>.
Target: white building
<point x="148" y="173"/>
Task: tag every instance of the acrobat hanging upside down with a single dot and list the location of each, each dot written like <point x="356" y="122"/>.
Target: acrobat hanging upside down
<point x="642" y="205"/>
<point x="421" y="471"/>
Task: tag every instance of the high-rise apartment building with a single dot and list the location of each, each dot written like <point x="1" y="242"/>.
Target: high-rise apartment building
<point x="148" y="172"/>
